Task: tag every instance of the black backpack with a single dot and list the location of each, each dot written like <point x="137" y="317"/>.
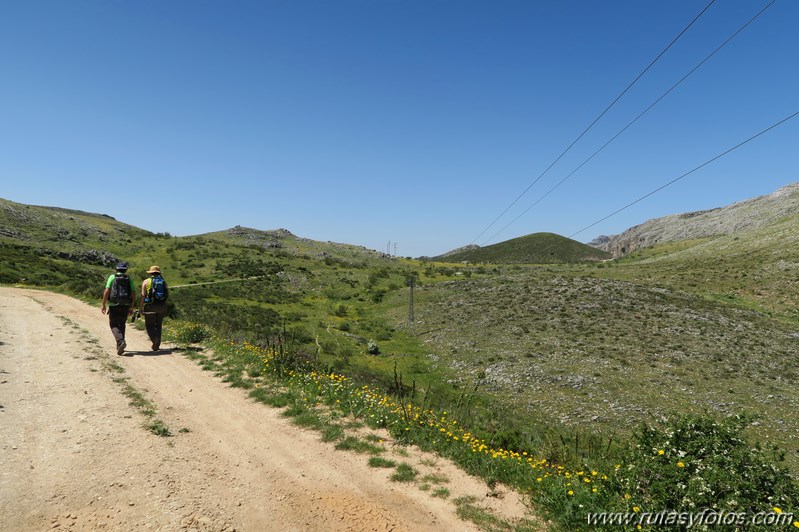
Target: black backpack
<point x="120" y="290"/>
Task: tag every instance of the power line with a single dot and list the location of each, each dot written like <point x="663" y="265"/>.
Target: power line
<point x="719" y="156"/>
<point x="569" y="147"/>
<point x="634" y="120"/>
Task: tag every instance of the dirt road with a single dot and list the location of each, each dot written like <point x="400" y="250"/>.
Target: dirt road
<point x="74" y="454"/>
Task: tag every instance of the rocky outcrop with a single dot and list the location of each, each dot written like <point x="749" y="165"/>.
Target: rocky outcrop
<point x="742" y="216"/>
<point x="266" y="239"/>
<point x="89" y="256"/>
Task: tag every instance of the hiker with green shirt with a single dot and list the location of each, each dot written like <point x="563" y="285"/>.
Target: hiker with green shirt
<point x="152" y="304"/>
<point x="119" y="297"/>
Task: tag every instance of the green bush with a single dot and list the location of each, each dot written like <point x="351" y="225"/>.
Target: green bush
<point x="191" y="333"/>
<point x="372" y="348"/>
<point x="697" y="462"/>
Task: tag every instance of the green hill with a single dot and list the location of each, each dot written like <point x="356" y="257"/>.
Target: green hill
<point x="51" y="246"/>
<point x="62" y="229"/>
<point x="537" y="248"/>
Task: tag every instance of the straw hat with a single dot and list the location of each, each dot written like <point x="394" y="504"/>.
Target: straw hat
<point x="154" y="269"/>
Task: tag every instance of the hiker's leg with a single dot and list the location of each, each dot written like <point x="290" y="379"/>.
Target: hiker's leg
<point x="149" y="323"/>
<point x="117" y="317"/>
<point x="159" y="322"/>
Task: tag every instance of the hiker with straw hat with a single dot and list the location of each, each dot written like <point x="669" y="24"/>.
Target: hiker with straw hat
<point x="154" y="294"/>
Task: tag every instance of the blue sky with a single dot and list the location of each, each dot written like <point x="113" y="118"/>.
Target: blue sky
<point x="414" y="122"/>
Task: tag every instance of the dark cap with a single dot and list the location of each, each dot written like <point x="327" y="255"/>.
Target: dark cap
<point x="122" y="266"/>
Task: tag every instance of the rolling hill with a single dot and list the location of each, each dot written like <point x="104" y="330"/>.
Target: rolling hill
<point x="537" y="248"/>
<point x="286" y="243"/>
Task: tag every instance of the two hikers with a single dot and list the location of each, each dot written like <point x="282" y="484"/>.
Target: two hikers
<point x="152" y="304"/>
<point x="119" y="298"/>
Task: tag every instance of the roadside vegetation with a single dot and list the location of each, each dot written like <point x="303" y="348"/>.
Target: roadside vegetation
<point x="683" y="464"/>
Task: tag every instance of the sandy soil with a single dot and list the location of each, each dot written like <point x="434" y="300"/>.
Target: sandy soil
<point x="74" y="454"/>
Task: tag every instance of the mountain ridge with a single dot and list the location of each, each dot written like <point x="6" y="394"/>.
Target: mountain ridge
<point x="746" y="215"/>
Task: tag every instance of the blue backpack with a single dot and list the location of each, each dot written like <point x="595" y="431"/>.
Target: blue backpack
<point x="158" y="292"/>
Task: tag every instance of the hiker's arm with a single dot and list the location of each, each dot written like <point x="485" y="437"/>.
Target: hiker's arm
<point x="106" y="293"/>
<point x="142" y="295"/>
<point x="132" y="297"/>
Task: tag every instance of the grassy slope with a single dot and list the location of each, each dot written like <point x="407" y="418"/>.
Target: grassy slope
<point x="756" y="269"/>
<point x="710" y="324"/>
<point x="59" y="247"/>
<point x="538" y="248"/>
<point x="63" y="229"/>
<point x="606" y="354"/>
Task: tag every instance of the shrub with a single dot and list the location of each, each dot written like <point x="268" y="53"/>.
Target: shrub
<point x="377" y="296"/>
<point x="372" y="348"/>
<point x="697" y="462"/>
<point x="191" y="333"/>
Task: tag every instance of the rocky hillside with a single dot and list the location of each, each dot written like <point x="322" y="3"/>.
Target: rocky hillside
<point x="285" y="241"/>
<point x="60" y="228"/>
<point x="747" y="215"/>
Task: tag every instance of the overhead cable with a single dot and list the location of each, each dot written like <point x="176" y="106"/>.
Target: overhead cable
<point x="719" y="156"/>
<point x="634" y="120"/>
<point x="569" y="147"/>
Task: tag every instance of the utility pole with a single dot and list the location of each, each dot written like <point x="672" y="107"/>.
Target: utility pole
<point x="395" y="249"/>
<point x="410" y="306"/>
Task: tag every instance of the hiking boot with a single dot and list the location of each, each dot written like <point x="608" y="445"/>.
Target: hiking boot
<point x="156" y="346"/>
<point x="121" y="348"/>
